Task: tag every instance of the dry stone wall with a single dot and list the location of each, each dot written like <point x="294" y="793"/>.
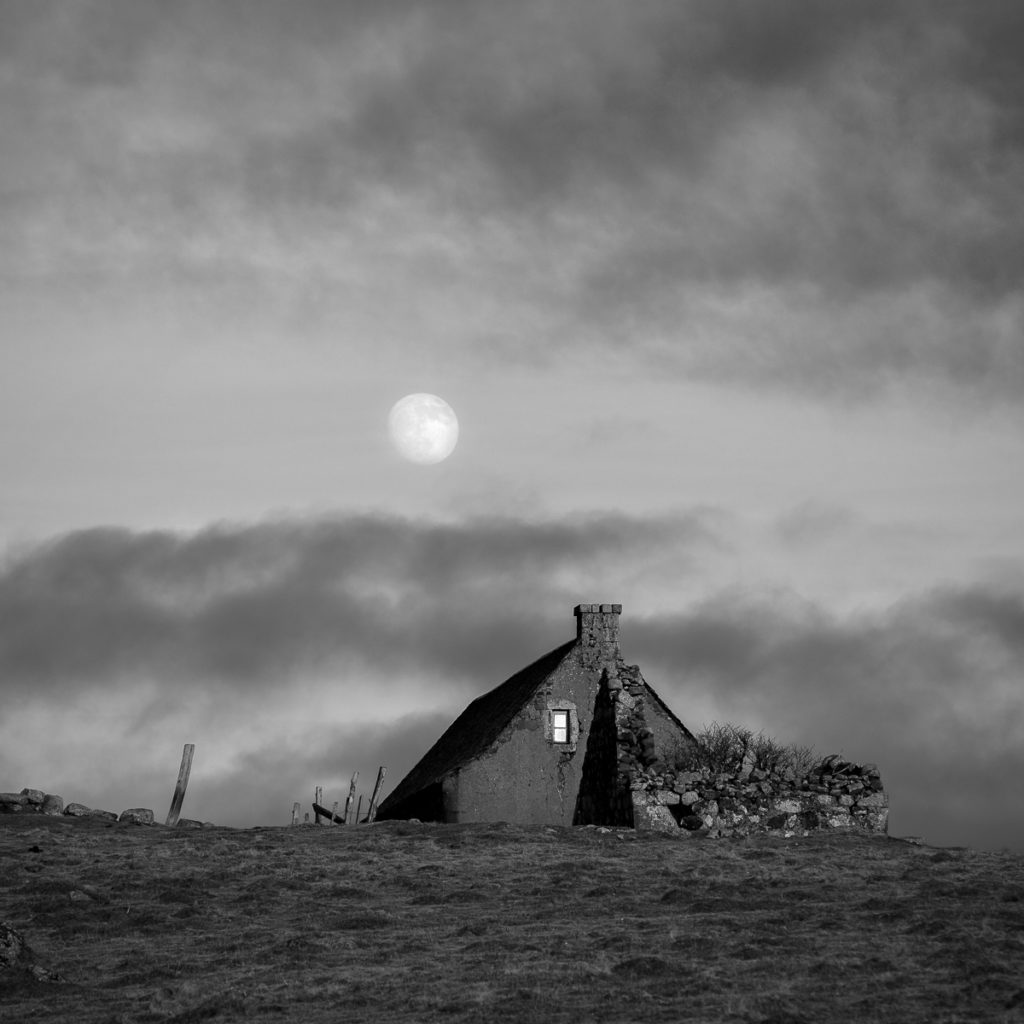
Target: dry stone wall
<point x="834" y="795"/>
<point x="35" y="801"/>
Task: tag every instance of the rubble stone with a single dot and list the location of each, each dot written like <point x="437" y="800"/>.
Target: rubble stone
<point x="53" y="805"/>
<point x="137" y="816"/>
<point x="835" y="795"/>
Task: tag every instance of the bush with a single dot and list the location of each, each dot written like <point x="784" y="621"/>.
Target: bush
<point x="726" y="749"/>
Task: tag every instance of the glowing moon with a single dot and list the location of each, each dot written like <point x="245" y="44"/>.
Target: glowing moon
<point x="423" y="428"/>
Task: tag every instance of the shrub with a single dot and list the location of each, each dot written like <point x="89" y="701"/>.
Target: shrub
<point x="727" y="748"/>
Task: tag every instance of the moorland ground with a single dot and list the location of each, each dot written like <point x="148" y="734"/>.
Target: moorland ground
<point x="413" y="922"/>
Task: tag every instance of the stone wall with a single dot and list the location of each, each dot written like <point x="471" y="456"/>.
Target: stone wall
<point x="834" y="795"/>
<point x="598" y="802"/>
<point x="35" y="801"/>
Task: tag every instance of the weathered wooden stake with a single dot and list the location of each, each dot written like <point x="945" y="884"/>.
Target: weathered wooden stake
<point x="372" y="813"/>
<point x="334" y="811"/>
<point x="179" y="789"/>
<point x="359" y="807"/>
<point x="295" y="813"/>
<point x="351" y="797"/>
<point x="318" y="798"/>
<point x="330" y="816"/>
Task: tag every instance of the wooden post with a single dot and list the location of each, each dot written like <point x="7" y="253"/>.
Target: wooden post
<point x="179" y="789"/>
<point x="295" y="813"/>
<point x="351" y="797"/>
<point x="372" y="813"/>
<point x="334" y="812"/>
<point x="318" y="798"/>
<point x="359" y="807"/>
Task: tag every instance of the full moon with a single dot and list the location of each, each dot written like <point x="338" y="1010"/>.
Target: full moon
<point x="423" y="428"/>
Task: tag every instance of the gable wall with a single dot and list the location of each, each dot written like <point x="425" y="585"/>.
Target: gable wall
<point x="524" y="777"/>
<point x="669" y="739"/>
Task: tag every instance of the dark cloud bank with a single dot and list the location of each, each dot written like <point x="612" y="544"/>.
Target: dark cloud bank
<point x="811" y="196"/>
<point x="928" y="688"/>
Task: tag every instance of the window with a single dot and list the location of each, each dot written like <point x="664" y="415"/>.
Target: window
<point x="560" y="726"/>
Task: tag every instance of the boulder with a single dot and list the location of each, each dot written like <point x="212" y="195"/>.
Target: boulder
<point x="53" y="804"/>
<point x="650" y="816"/>
<point x="34" y="796"/>
<point x="81" y="811"/>
<point x="137" y="816"/>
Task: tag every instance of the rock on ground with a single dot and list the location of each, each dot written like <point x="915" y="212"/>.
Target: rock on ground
<point x="17" y="960"/>
<point x="137" y="816"/>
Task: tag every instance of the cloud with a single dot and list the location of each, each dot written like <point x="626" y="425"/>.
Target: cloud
<point x="928" y="689"/>
<point x="242" y="607"/>
<point x="819" y="199"/>
<point x="292" y="653"/>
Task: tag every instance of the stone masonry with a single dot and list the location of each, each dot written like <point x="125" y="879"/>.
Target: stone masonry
<point x="833" y="795"/>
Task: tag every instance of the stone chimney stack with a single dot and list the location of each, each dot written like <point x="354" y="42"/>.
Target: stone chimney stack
<point x="597" y="633"/>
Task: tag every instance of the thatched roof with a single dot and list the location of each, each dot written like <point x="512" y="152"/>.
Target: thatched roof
<point x="477" y="727"/>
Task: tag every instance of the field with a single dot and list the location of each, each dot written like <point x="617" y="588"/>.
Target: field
<point x="408" y="922"/>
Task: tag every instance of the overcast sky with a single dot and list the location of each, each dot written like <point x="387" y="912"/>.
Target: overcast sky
<point x="728" y="298"/>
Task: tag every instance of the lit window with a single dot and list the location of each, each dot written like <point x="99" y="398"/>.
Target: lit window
<point x="560" y="726"/>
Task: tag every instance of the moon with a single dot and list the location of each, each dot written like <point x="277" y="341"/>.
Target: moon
<point x="423" y="428"/>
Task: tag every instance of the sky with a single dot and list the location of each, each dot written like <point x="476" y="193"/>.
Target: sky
<point x="728" y="299"/>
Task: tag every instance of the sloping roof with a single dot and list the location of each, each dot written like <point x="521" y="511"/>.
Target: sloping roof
<point x="664" y="707"/>
<point x="477" y="727"/>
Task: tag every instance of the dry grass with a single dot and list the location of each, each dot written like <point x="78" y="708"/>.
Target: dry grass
<point x="408" y="922"/>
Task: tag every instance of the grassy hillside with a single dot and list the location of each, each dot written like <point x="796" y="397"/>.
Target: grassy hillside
<point x="409" y="922"/>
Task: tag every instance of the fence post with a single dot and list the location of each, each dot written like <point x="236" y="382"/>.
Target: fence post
<point x="351" y="797"/>
<point x="334" y="812"/>
<point x="372" y="813"/>
<point x="295" y="813"/>
<point x="318" y="798"/>
<point x="179" y="789"/>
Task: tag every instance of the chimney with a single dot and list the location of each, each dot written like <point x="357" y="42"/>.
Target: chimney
<point x="597" y="633"/>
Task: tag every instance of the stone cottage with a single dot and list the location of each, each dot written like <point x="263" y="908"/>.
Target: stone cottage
<point x="555" y="744"/>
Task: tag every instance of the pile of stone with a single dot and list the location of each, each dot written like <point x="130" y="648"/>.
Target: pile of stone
<point x="652" y="792"/>
<point x="32" y="801"/>
<point x="635" y="744"/>
<point x="35" y="801"/>
<point x="834" y="794"/>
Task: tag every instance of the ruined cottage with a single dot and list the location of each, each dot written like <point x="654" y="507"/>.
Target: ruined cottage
<point x="580" y="738"/>
<point x="551" y="745"/>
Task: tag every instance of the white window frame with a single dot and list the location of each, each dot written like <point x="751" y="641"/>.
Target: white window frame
<point x="564" y="727"/>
